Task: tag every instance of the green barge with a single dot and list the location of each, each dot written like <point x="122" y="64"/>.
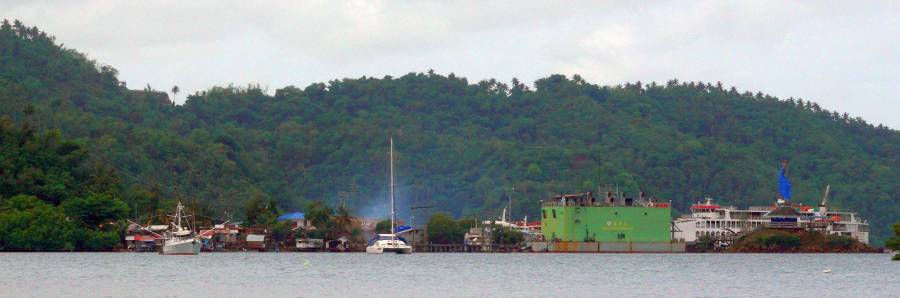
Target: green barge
<point x="581" y="223"/>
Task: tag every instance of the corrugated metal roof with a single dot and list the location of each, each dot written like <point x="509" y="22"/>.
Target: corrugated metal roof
<point x="256" y="238"/>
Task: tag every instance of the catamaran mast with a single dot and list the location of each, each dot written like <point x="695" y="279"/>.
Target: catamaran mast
<point x="392" y="188"/>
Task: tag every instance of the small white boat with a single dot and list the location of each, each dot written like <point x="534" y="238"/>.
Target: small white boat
<point x="390" y="243"/>
<point x="181" y="241"/>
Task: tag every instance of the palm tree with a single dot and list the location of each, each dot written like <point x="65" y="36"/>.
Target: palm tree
<point x="175" y="90"/>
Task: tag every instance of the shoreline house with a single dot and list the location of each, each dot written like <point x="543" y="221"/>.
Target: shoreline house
<point x="256" y="242"/>
<point x="222" y="237"/>
<point x="309" y="244"/>
<point x="138" y="239"/>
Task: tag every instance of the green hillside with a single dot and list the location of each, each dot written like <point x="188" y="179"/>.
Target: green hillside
<point x="460" y="145"/>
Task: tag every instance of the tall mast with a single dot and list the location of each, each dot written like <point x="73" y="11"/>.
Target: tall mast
<point x="392" y="186"/>
<point x="508" y="206"/>
<point x="825" y="197"/>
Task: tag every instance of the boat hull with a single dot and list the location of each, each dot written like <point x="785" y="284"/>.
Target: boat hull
<point x="405" y="250"/>
<point x="388" y="246"/>
<point x="571" y="222"/>
<point x="189" y="247"/>
<point x="374" y="250"/>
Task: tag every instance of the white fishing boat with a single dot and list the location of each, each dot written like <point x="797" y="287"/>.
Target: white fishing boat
<point x="383" y="243"/>
<point x="181" y="240"/>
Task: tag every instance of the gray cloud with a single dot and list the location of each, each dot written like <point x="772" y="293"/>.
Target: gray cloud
<point x="842" y="55"/>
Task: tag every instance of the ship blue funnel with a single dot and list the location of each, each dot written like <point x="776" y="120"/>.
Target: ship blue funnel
<point x="784" y="186"/>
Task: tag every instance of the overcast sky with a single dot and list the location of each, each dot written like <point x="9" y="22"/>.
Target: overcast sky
<point x="843" y="55"/>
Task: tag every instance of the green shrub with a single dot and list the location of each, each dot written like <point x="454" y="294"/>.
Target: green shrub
<point x="94" y="240"/>
<point x="704" y="243"/>
<point x="506" y="236"/>
<point x="893" y="243"/>
<point x="779" y="241"/>
<point x="836" y="241"/>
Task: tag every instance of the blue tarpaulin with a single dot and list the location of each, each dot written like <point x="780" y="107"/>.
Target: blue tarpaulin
<point x="784" y="186"/>
<point x="291" y="216"/>
<point x="401" y="229"/>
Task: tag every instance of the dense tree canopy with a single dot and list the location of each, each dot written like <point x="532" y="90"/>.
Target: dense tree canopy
<point x="460" y="145"/>
<point x="29" y="224"/>
<point x="51" y="197"/>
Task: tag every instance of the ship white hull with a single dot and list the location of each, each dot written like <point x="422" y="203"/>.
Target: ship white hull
<point x="182" y="247"/>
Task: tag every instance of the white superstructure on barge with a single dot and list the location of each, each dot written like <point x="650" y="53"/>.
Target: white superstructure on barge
<point x="713" y="220"/>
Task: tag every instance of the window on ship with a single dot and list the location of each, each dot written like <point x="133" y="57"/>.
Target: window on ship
<point x="544" y="213"/>
<point x="554" y="212"/>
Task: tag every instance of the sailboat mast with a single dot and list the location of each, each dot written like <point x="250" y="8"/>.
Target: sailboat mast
<point x="392" y="186"/>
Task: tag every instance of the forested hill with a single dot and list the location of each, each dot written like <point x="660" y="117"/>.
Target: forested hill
<point x="460" y="145"/>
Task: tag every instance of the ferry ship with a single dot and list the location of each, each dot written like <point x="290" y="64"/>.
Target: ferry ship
<point x="716" y="221"/>
<point x="582" y="223"/>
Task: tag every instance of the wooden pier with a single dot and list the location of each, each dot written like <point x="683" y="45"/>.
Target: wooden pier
<point x="462" y="248"/>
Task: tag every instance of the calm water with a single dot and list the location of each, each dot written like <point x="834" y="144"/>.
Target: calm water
<point x="447" y="275"/>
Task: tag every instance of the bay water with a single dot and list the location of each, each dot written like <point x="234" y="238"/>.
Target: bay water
<point x="447" y="275"/>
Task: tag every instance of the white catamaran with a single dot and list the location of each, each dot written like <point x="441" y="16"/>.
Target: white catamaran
<point x="389" y="242"/>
